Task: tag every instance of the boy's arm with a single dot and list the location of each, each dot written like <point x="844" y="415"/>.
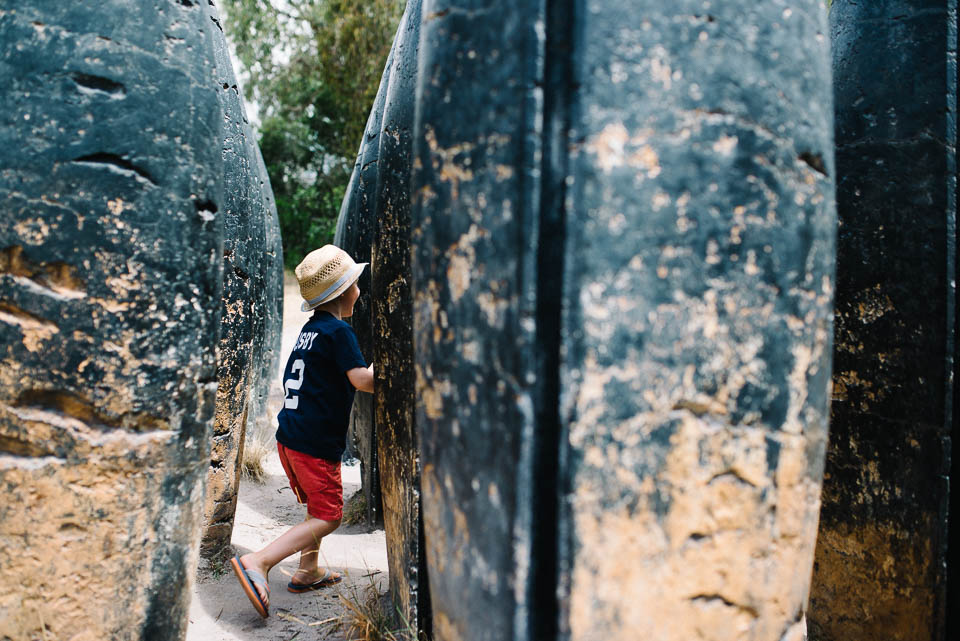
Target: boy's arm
<point x="361" y="378"/>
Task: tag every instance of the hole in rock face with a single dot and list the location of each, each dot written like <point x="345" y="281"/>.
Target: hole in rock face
<point x="55" y="275"/>
<point x="116" y="163"/>
<point x="206" y="205"/>
<point x="100" y="83"/>
<point x="65" y="403"/>
<point x="71" y="405"/>
<point x="17" y="446"/>
<point x="815" y="161"/>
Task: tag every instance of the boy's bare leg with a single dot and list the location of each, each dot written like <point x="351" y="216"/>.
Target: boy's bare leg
<point x="302" y="536"/>
<point x="308" y="570"/>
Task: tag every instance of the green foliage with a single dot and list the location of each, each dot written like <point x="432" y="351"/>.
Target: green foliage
<point x="313" y="68"/>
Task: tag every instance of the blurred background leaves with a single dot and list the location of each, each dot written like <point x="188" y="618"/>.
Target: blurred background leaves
<point x="311" y="69"/>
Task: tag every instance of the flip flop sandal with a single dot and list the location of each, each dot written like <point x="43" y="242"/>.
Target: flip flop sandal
<point x="328" y="579"/>
<point x="248" y="579"/>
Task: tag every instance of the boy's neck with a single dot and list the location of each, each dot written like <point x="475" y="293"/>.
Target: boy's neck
<point x="332" y="309"/>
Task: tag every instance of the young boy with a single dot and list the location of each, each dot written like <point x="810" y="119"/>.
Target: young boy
<point x="321" y="376"/>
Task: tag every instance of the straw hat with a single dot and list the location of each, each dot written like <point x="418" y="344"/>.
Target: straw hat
<point x="324" y="274"/>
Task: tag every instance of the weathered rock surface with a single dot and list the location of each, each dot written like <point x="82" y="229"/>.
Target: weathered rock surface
<point x="476" y="220"/>
<point x="261" y="414"/>
<point x="623" y="266"/>
<point x="397" y="445"/>
<point x="356" y="227"/>
<point x="697" y="353"/>
<point x="110" y="277"/>
<point x="374" y="226"/>
<point x="881" y="554"/>
<point x="242" y="251"/>
<point x="252" y="298"/>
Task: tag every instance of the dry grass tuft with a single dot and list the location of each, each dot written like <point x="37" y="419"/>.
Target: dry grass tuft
<point x="366" y="616"/>
<point x="254" y="453"/>
<point x="258" y="445"/>
<point x="355" y="509"/>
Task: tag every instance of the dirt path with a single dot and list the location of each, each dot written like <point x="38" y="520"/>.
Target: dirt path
<point x="221" y="612"/>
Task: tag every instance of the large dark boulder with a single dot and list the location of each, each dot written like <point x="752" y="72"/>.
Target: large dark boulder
<point x="696" y="356"/>
<point x="110" y="294"/>
<point x="881" y="560"/>
<point x="374" y="226"/>
<point x="356" y="226"/>
<point x="243" y="303"/>
<point x="474" y="271"/>
<point x="266" y="394"/>
<point x="622" y="275"/>
<point x="394" y="402"/>
<point x="477" y="220"/>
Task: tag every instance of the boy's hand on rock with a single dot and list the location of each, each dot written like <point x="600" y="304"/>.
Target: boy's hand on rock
<point x="361" y="378"/>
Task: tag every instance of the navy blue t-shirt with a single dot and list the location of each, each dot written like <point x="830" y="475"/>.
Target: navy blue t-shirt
<point x="317" y="393"/>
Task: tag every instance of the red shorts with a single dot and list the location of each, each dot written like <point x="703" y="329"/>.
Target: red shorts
<point x="315" y="482"/>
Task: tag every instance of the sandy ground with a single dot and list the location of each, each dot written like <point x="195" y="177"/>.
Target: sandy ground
<point x="220" y="610"/>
